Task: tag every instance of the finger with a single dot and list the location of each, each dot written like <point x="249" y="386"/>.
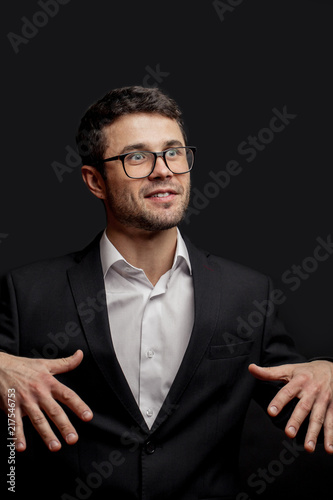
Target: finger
<point x="57" y="415"/>
<point x="68" y="397"/>
<point x="290" y="391"/>
<point x="20" y="444"/>
<point x="320" y="417"/>
<point x="64" y="365"/>
<point x="301" y="411"/>
<point x="61" y="420"/>
<point x="282" y="373"/>
<point x="43" y="428"/>
<point x="328" y="430"/>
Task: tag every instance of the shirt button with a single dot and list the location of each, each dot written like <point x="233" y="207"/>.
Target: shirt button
<point x="150" y="353"/>
<point x="149" y="412"/>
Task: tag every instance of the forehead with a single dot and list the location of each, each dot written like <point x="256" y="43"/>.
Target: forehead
<point x="149" y="129"/>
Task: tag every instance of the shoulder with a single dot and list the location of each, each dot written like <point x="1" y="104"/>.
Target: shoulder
<point x="52" y="268"/>
<point x="233" y="274"/>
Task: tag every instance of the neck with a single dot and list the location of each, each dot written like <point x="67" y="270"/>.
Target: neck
<point x="151" y="251"/>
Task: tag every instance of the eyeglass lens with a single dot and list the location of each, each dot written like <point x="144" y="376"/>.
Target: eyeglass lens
<point x="140" y="163"/>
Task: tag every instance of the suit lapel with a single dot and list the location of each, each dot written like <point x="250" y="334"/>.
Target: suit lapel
<point x="207" y="302"/>
<point x="87" y="284"/>
<point x="86" y="280"/>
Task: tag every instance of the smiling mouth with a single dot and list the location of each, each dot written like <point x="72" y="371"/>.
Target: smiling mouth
<point x="164" y="199"/>
<point x="161" y="195"/>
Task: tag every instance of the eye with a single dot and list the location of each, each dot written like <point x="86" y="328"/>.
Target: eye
<point x="136" y="157"/>
<point x="173" y="153"/>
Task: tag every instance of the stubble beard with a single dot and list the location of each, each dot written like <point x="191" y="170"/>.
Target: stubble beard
<point x="131" y="214"/>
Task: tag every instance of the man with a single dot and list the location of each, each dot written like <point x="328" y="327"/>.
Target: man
<point x="154" y="397"/>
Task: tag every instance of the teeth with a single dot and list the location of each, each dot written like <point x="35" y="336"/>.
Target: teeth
<point x="160" y="195"/>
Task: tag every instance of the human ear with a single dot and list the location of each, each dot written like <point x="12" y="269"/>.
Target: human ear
<point x="94" y="181"/>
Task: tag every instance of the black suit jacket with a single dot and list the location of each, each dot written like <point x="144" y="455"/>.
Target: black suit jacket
<point x="51" y="308"/>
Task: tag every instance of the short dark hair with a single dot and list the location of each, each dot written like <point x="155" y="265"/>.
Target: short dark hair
<point x="90" y="138"/>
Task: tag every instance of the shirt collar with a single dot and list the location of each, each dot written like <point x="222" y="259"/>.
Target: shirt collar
<point x="110" y="255"/>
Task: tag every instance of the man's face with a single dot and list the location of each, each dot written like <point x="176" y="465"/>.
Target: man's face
<point x="133" y="202"/>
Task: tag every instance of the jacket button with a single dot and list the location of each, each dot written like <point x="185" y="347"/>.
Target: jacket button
<point x="150" y="447"/>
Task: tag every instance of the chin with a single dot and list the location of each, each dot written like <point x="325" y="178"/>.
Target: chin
<point x="157" y="222"/>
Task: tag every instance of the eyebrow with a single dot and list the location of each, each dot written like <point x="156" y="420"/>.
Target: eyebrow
<point x="143" y="147"/>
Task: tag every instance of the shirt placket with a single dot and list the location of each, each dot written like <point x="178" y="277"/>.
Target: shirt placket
<point x="151" y="355"/>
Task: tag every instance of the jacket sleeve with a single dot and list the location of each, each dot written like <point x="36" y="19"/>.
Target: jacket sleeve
<point x="277" y="348"/>
<point x="9" y="317"/>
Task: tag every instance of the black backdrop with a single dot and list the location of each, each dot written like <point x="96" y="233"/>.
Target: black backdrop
<point x="232" y="66"/>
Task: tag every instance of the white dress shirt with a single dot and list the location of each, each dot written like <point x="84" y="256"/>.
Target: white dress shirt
<point x="150" y="325"/>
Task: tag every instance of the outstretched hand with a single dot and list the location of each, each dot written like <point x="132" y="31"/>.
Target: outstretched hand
<point x="36" y="394"/>
<point x="312" y="384"/>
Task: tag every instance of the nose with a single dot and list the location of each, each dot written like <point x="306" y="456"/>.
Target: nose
<point x="160" y="171"/>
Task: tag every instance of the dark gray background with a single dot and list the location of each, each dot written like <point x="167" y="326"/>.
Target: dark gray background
<point x="227" y="76"/>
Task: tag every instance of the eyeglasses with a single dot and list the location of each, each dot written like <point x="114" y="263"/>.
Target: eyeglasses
<point x="140" y="164"/>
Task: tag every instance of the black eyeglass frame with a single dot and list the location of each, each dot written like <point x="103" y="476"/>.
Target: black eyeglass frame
<point x="156" y="154"/>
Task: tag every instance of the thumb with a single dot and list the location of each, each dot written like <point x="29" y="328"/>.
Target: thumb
<point x="63" y="365"/>
<point x="282" y="373"/>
